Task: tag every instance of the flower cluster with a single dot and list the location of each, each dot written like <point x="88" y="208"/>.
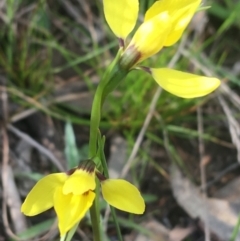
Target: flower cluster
<point x="72" y="194"/>
<point x="163" y="26"/>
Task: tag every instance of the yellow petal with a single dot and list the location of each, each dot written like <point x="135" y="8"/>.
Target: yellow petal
<point x="151" y="35"/>
<point x="71" y="208"/>
<point x="123" y="195"/>
<point x="40" y="198"/>
<point x="79" y="182"/>
<point x="180" y="12"/>
<point x="121" y="16"/>
<point x="184" y="84"/>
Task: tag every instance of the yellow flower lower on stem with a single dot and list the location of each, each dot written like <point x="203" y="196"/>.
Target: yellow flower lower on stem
<point x="72" y="194"/>
<point x="163" y="25"/>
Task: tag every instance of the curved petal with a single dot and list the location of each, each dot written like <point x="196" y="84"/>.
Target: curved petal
<point x="123" y="195"/>
<point x="71" y="208"/>
<point x="151" y="35"/>
<point x="184" y="84"/>
<point x="79" y="182"/>
<point x="121" y="16"/>
<point x="180" y="20"/>
<point x="180" y="12"/>
<point x="40" y="198"/>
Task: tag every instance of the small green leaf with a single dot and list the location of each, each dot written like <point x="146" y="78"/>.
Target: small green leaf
<point x="71" y="151"/>
<point x="148" y="198"/>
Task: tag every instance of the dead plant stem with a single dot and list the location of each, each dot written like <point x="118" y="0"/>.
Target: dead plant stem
<point x="203" y="171"/>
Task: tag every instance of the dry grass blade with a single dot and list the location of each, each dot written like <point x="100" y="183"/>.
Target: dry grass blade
<point x="38" y="146"/>
<point x="232" y="96"/>
<point x="233" y="125"/>
<point x="203" y="170"/>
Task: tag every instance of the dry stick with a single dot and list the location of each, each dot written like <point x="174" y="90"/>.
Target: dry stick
<point x="234" y="127"/>
<point x="203" y="163"/>
<point x="10" y="194"/>
<point x="206" y="71"/>
<point x="60" y="99"/>
<point x="35" y="144"/>
<point x="142" y="132"/>
<point x="232" y="96"/>
<point x="52" y="230"/>
<point x="90" y="21"/>
<point x="222" y="174"/>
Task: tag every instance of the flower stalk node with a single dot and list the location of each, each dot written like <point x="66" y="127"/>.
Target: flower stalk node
<point x="146" y="69"/>
<point x="100" y="176"/>
<point x="121" y="42"/>
<point x="129" y="58"/>
<point x="87" y="165"/>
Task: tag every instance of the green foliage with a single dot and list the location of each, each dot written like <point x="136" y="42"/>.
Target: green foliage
<point x="71" y="150"/>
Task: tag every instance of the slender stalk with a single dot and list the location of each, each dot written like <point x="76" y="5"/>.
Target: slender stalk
<point x="97" y="107"/>
<point x="95" y="121"/>
<point x="119" y="234"/>
<point x="94" y="125"/>
<point x="105" y="171"/>
<point x="95" y="223"/>
<point x="113" y="75"/>
<point x="94" y="213"/>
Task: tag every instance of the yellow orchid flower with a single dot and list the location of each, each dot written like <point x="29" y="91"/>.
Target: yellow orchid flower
<point x="163" y="25"/>
<point x="72" y="194"/>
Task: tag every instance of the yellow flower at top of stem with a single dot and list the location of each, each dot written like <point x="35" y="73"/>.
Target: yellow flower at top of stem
<point x="163" y="25"/>
<point x="121" y="16"/>
<point x="72" y="194"/>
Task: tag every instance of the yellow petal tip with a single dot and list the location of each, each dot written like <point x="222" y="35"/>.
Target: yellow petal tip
<point x="123" y="195"/>
<point x="183" y="84"/>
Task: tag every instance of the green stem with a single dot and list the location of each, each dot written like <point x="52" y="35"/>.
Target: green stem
<point x="112" y="77"/>
<point x="119" y="234"/>
<point x="95" y="222"/>
<point x="95" y="121"/>
<point x="94" y="213"/>
<point x="106" y="174"/>
<point x="94" y="125"/>
<point x="97" y="106"/>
